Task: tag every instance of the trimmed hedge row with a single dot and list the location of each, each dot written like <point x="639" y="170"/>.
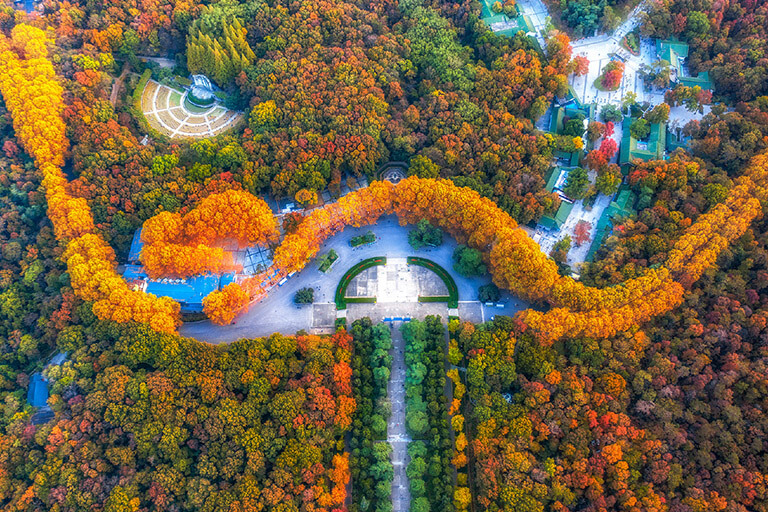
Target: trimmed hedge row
<point x="370" y="455"/>
<point x="436" y="298"/>
<point x="360" y="300"/>
<point x="341" y="289"/>
<point x="453" y="290"/>
<point x="430" y="471"/>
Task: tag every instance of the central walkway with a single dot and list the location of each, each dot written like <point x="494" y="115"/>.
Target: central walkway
<point x="397" y="437"/>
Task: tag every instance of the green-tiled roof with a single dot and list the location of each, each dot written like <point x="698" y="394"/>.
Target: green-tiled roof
<point x="673" y="142"/>
<point x="656" y="143"/>
<point x="702" y="80"/>
<point x="488" y="16"/>
<point x="556" y="121"/>
<point x="675" y="45"/>
<point x="559" y="218"/>
<point x="572" y="110"/>
<point x="509" y="32"/>
<point x="554" y="174"/>
<point x="673" y="50"/>
<point x="495" y="18"/>
<point x="522" y="20"/>
<point x="622" y="206"/>
<point x="525" y="23"/>
<point x="625" y="199"/>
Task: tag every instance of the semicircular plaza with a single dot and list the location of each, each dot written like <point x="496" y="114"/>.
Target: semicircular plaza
<point x="166" y="111"/>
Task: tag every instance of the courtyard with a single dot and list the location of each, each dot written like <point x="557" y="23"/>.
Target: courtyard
<point x="397" y="281"/>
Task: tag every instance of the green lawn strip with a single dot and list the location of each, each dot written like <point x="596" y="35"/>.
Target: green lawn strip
<point x="341" y="289"/>
<point x="453" y="290"/>
<point x="360" y="300"/>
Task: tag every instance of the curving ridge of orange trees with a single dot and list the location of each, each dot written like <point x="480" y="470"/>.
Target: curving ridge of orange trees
<point x="517" y="263"/>
<point x="183" y="245"/>
<point x="34" y="98"/>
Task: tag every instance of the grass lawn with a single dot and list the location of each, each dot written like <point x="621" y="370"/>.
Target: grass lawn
<point x="599" y="86"/>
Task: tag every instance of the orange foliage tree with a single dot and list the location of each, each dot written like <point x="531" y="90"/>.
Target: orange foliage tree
<point x="33" y="96"/>
<point x="223" y="305"/>
<point x="184" y="245"/>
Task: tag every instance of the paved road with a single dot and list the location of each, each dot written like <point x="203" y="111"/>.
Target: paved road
<point x="277" y="313"/>
<point x="396" y="432"/>
<point x="163" y="62"/>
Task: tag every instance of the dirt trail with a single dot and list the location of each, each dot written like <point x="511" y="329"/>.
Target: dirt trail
<point x="118" y="83"/>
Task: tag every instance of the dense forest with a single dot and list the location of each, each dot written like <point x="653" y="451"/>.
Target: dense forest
<point x="332" y="89"/>
<point x="728" y="39"/>
<point x="591" y="414"/>
<point x="259" y="424"/>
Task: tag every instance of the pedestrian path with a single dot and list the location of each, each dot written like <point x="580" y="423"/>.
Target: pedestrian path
<point x="397" y="436"/>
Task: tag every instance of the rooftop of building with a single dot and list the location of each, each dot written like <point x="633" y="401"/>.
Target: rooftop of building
<point x="651" y="149"/>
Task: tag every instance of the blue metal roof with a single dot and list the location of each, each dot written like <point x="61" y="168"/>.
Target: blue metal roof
<point x="187" y="292"/>
<point x="37" y="395"/>
<point x="136" y="245"/>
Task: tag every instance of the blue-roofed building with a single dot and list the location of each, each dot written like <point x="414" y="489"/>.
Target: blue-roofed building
<point x="226" y="279"/>
<point x="37" y="395"/>
<point x="190" y="292"/>
<point x="134" y="253"/>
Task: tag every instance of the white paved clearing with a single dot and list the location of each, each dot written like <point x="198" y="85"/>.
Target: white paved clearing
<point x="277" y="312"/>
<point x="577" y="255"/>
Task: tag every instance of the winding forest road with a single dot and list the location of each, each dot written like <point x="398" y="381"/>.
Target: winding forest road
<point x="397" y="436"/>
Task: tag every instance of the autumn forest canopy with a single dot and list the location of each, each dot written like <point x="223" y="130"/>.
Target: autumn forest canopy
<point x="638" y="386"/>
